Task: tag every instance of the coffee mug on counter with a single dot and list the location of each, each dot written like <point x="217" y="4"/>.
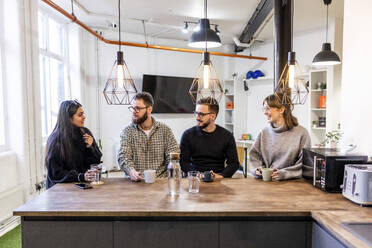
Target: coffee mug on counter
<point x="207" y="176"/>
<point x="149" y="176"/>
<point x="266" y="174"/>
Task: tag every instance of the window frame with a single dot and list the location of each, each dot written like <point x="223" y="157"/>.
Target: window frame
<point x="3" y="147"/>
<point x="64" y="59"/>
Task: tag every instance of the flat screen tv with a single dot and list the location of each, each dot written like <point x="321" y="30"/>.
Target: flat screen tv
<point x="171" y="94"/>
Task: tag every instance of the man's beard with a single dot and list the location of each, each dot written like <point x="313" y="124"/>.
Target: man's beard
<point x="140" y="120"/>
<point x="204" y="125"/>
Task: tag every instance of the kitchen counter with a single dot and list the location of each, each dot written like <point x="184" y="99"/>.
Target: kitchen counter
<point x="227" y="198"/>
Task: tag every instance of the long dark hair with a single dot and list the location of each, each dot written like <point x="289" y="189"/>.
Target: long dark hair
<point x="275" y="101"/>
<point x="60" y="140"/>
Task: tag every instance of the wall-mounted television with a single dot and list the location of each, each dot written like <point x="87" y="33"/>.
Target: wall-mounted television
<point x="171" y="94"/>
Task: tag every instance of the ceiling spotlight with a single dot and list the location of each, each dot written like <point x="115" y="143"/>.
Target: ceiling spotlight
<point x="216" y="29"/>
<point x="185" y="29"/>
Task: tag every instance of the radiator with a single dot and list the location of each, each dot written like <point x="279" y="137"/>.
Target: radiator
<point x="10" y="200"/>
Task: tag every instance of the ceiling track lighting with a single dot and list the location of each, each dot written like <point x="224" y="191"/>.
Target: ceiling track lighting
<point x="119" y="88"/>
<point x="326" y="56"/>
<point x="206" y="83"/>
<point x="185" y="28"/>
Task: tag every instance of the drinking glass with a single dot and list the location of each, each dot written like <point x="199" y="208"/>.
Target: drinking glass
<point x="97" y="169"/>
<point x="194" y="181"/>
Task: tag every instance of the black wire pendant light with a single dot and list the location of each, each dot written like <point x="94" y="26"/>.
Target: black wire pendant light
<point x="120" y="87"/>
<point x="326" y="56"/>
<point x="205" y="36"/>
<point x="206" y="82"/>
<point x="292" y="83"/>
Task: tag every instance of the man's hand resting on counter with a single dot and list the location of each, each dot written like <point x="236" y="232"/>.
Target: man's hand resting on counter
<point x="135" y="175"/>
<point x="216" y="176"/>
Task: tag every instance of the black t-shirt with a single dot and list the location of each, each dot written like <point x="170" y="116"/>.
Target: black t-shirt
<point x="203" y="151"/>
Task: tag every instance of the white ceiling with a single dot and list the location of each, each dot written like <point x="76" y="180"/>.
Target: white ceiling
<point x="165" y="18"/>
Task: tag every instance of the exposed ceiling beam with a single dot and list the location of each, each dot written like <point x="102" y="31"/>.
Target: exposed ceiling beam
<point x="260" y="17"/>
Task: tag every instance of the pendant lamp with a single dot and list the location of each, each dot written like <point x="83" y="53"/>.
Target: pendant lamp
<point x="206" y="82"/>
<point x="326" y="56"/>
<point x="292" y="83"/>
<point x="205" y="36"/>
<point x="119" y="88"/>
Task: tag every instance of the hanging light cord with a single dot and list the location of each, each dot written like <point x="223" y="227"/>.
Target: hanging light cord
<point x="205" y="24"/>
<point x="327" y="26"/>
<point x="119" y="30"/>
<point x="292" y="19"/>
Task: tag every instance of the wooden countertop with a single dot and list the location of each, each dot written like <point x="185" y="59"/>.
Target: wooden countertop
<point x="223" y="198"/>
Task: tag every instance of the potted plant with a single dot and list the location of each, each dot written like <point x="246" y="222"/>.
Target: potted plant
<point x="333" y="138"/>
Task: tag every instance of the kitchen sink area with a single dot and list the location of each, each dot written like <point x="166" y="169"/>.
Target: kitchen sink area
<point x="362" y="230"/>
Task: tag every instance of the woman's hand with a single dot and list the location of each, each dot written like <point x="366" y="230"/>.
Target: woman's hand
<point x="89" y="176"/>
<point x="88" y="140"/>
<point x="275" y="175"/>
<point x="259" y="171"/>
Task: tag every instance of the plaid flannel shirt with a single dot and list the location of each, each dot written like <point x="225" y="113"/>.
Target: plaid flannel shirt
<point x="142" y="153"/>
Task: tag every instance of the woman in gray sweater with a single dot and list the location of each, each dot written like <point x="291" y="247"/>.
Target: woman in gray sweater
<point x="279" y="146"/>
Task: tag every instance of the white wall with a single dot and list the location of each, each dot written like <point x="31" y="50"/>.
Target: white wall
<point x="356" y="114"/>
<point x="107" y="121"/>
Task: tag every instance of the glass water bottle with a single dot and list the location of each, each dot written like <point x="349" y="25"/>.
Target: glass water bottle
<point x="174" y="174"/>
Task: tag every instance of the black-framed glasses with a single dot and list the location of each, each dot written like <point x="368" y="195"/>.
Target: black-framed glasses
<point x="200" y="114"/>
<point x="136" y="109"/>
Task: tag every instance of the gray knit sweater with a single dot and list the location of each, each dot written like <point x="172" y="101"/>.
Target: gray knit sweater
<point x="280" y="148"/>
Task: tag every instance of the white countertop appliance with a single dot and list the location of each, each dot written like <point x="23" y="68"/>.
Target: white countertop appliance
<point x="357" y="183"/>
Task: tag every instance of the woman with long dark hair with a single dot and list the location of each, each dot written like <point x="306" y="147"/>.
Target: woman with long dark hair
<point x="279" y="146"/>
<point x="71" y="148"/>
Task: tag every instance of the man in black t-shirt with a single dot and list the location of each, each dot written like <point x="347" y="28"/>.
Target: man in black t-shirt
<point x="206" y="146"/>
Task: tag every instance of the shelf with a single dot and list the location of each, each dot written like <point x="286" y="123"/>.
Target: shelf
<point x="319" y="109"/>
<point x="318" y="128"/>
<point x="228" y="123"/>
<point x="259" y="79"/>
<point x="229" y="109"/>
<point x="318" y="90"/>
<point x="229" y="94"/>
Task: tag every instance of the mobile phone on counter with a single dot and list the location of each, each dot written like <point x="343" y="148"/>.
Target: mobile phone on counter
<point x="83" y="186"/>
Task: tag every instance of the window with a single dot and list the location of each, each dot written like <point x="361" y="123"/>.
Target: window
<point x="53" y="60"/>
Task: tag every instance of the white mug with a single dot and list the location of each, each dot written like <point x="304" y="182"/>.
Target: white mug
<point x="149" y="176"/>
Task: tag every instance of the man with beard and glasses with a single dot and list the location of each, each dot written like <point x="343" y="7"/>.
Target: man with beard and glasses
<point x="206" y="146"/>
<point x="146" y="143"/>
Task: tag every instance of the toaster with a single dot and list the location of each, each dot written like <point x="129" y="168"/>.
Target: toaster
<point x="357" y="183"/>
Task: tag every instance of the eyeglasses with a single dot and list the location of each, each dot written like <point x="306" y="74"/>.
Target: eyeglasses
<point x="266" y="109"/>
<point x="200" y="114"/>
<point x="136" y="109"/>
